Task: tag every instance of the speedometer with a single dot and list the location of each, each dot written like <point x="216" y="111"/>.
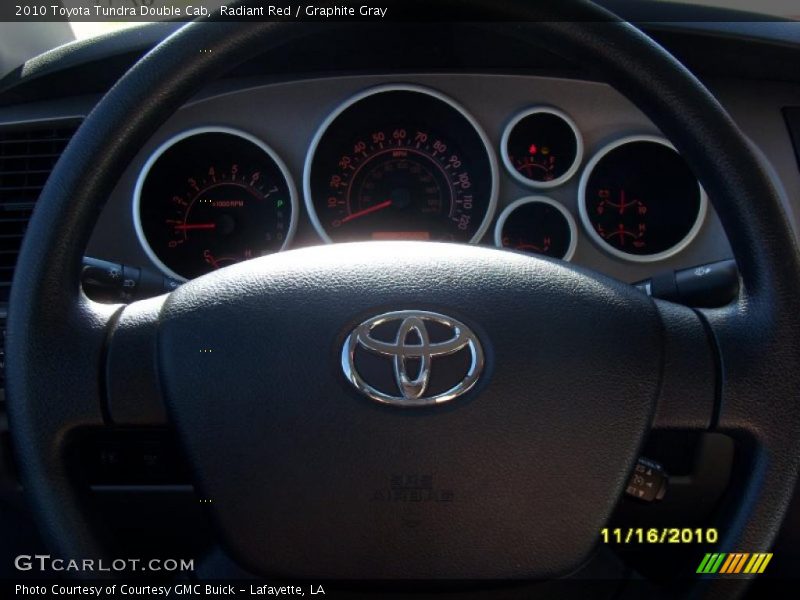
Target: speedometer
<point x="400" y="163"/>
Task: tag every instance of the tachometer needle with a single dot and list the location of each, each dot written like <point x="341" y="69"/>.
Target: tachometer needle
<point x="186" y="226"/>
<point x="367" y="211"/>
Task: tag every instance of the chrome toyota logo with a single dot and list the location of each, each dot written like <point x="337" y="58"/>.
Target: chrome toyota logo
<point x="411" y="346"/>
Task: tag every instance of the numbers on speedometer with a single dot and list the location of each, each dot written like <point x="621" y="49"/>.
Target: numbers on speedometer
<point x="400" y="163"/>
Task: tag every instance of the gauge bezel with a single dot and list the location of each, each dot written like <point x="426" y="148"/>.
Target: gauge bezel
<point x="519" y="177"/>
<point x="702" y="210"/>
<point x="508" y="210"/>
<point x="189" y="133"/>
<point x="399" y="87"/>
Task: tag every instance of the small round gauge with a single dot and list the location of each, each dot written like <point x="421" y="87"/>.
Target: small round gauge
<point x="400" y="162"/>
<point x="537" y="225"/>
<point x="541" y="147"/>
<point x="639" y="200"/>
<point x="211" y="197"/>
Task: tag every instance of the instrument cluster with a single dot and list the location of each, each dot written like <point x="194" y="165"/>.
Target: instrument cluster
<point x="406" y="162"/>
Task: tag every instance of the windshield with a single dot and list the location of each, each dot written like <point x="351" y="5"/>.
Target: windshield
<point x="19" y="44"/>
<point x="784" y="9"/>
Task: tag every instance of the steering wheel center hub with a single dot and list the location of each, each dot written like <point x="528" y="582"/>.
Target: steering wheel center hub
<point x="266" y="373"/>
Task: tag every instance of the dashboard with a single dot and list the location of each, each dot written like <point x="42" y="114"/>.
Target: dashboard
<point x="553" y="166"/>
<point x="408" y="162"/>
<point x="562" y="168"/>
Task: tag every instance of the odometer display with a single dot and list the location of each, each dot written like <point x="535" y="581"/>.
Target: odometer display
<point x="210" y="198"/>
<point x="400" y="163"/>
<point x="640" y="201"/>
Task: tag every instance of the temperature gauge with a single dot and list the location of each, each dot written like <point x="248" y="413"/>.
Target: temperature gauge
<point x="542" y="147"/>
<point x="640" y="201"/>
<point x="537" y="225"/>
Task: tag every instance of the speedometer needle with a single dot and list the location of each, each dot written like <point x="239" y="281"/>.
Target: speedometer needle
<point x="186" y="226"/>
<point x="367" y="211"/>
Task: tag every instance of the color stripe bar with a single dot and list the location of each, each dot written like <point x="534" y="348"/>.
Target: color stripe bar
<point x="715" y="567"/>
<point x="758" y="563"/>
<point x="711" y="563"/>
<point x="729" y="562"/>
<point x="734" y="563"/>
<point x="765" y="563"/>
<point x="754" y="563"/>
<point x="740" y="563"/>
<point x="708" y="563"/>
<point x="702" y="567"/>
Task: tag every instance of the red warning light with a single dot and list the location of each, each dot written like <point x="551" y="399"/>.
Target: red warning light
<point x="533" y="149"/>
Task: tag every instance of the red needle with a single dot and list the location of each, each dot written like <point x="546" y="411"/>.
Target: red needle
<point x="367" y="211"/>
<point x="186" y="226"/>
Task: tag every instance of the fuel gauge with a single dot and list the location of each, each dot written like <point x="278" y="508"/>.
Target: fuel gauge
<point x="639" y="200"/>
<point x="541" y="147"/>
<point x="537" y="225"/>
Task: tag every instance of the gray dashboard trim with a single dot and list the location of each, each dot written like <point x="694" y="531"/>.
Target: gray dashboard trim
<point x="41" y="120"/>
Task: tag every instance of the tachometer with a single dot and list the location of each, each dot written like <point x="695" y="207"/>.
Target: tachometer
<point x="400" y="163"/>
<point x="639" y="200"/>
<point x="211" y="197"/>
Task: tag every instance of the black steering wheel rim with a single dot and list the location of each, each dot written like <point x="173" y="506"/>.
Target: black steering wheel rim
<point x="55" y="334"/>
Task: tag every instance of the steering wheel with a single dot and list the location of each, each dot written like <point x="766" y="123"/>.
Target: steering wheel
<point x="578" y="367"/>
